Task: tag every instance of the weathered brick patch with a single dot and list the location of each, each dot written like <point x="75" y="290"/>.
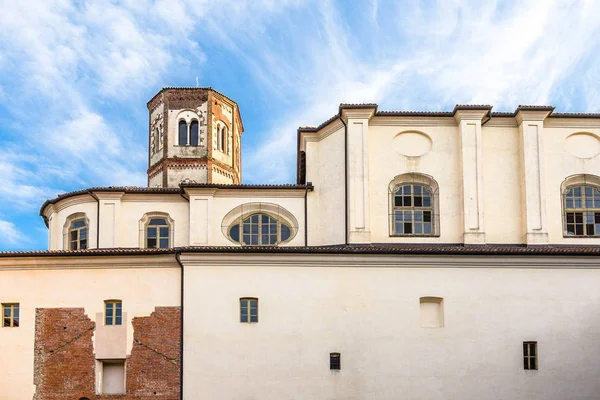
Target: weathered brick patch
<point x="64" y="363"/>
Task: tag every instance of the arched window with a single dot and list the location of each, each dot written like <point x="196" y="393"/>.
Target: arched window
<point x="183" y="133"/>
<point x="581" y="206"/>
<point x="260" y="229"/>
<point x="194" y="133"/>
<point x="156" y="231"/>
<point x="413" y="206"/>
<point x="76" y="232"/>
<point x="224" y="139"/>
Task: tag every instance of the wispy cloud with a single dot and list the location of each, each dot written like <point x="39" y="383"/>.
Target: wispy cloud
<point x="10" y="235"/>
<point x="76" y="75"/>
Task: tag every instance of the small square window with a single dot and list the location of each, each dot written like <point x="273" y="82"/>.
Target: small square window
<point x="530" y="355"/>
<point x="249" y="309"/>
<point x="335" y="361"/>
<point x="113" y="377"/>
<point x="10" y="315"/>
<point x="113" y="312"/>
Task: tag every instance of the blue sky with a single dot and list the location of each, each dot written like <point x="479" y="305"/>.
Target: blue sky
<point x="75" y="77"/>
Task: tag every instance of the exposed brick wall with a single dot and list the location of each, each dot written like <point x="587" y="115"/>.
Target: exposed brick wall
<point x="64" y="363"/>
<point x="64" y="354"/>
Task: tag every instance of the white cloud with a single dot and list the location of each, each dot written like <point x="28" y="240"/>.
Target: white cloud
<point x="10" y="235"/>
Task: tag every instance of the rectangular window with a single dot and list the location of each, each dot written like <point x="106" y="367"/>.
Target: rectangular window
<point x="114" y="312"/>
<point x="10" y="315"/>
<point x="113" y="377"/>
<point x="530" y="355"/>
<point x="248" y="310"/>
<point x="335" y="361"/>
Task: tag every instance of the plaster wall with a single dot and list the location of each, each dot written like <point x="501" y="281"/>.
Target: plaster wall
<point x="560" y="164"/>
<point x="442" y="163"/>
<point x="79" y="285"/>
<point x="82" y="204"/>
<point x="176" y="174"/>
<point x="502" y="189"/>
<point x="371" y="315"/>
<point x="326" y="208"/>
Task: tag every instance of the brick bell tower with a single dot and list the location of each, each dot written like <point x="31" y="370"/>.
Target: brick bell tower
<point x="194" y="136"/>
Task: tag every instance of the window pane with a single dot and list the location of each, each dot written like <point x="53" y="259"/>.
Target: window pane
<point x="578" y="229"/>
<point x="164" y="231"/>
<point x="151" y="232"/>
<point x="407" y="227"/>
<point x="243" y="318"/>
<point x="246" y="239"/>
<point x="397" y="201"/>
<point x="427" y="228"/>
<point x="570" y="229"/>
<point x="254" y="219"/>
<point x="532" y="363"/>
<point x="570" y="218"/>
<point x="254" y="229"/>
<point x="265" y="229"/>
<point x="83" y="244"/>
<point x="418" y="201"/>
<point x="418" y="190"/>
<point x="109" y="311"/>
<point x="234" y="232"/>
<point x="265" y="240"/>
<point x="525" y="363"/>
<point x="406" y="189"/>
<point x="16" y="311"/>
<point x="74" y="235"/>
<point x="182" y="133"/>
<point x="418" y="216"/>
<point x="151" y="243"/>
<point x="569" y="202"/>
<point x="74" y="245"/>
<point x="157" y="221"/>
<point x="6" y="311"/>
<point x="118" y="307"/>
<point x="118" y="320"/>
<point x="254" y="240"/>
<point x="78" y="224"/>
<point x="246" y="227"/>
<point x="244" y="303"/>
<point x="532" y="349"/>
<point x="16" y="322"/>
<point x="286" y="233"/>
<point x="83" y="234"/>
<point x="427" y="216"/>
<point x="164" y="243"/>
<point x="588" y="191"/>
<point x="6" y="322"/>
<point x="426" y="201"/>
<point x="579" y="218"/>
<point x="194" y="133"/>
<point x="406" y="201"/>
<point x="254" y="318"/>
<point x="418" y="229"/>
<point x="109" y="320"/>
<point x="577" y="191"/>
<point x="399" y="229"/>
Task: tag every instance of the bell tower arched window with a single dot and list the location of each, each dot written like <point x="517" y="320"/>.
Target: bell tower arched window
<point x="183" y="133"/>
<point x="194" y="137"/>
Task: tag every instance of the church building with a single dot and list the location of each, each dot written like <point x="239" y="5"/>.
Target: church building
<point x="418" y="255"/>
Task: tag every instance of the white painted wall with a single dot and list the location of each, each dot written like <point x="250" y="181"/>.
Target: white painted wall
<point x="370" y="313"/>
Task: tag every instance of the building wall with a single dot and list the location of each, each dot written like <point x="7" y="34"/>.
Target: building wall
<point x="367" y="309"/>
<point x="78" y="283"/>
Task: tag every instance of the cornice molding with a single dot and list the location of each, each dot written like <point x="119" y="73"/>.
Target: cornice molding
<point x="577" y="123"/>
<point x="116" y="195"/>
<point x="357" y="113"/>
<point x="501" y="122"/>
<point x="531" y="115"/>
<point x="88" y="262"/>
<point x="325" y="132"/>
<point x="412" y="121"/>
<point x="73" y="201"/>
<point x="469" y="115"/>
<point x="387" y="261"/>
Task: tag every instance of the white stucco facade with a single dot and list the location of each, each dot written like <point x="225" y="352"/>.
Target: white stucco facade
<point x="331" y="263"/>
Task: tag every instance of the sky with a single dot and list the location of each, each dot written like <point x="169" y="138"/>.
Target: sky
<point x="75" y="77"/>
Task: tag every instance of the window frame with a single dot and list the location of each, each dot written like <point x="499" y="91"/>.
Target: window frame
<point x="426" y="182"/>
<point x="260" y="234"/>
<point x="117" y="312"/>
<point x="144" y="223"/>
<point x="11" y="317"/>
<point x="581" y="182"/>
<point x="528" y="356"/>
<point x="335" y="361"/>
<point x="67" y="231"/>
<point x="248" y="308"/>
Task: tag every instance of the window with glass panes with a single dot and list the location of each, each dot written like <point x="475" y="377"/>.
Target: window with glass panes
<point x="78" y="235"/>
<point x="335" y="361"/>
<point x="113" y="312"/>
<point x="413" y="210"/>
<point x="582" y="211"/>
<point x="10" y="315"/>
<point x="530" y="355"/>
<point x="249" y="309"/>
<point x="260" y="229"/>
<point x="157" y="233"/>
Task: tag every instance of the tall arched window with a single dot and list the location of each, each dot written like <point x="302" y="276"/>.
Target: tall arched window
<point x="194" y="133"/>
<point x="581" y="206"/>
<point x="224" y="139"/>
<point x="183" y="133"/>
<point x="413" y="206"/>
<point x="218" y="136"/>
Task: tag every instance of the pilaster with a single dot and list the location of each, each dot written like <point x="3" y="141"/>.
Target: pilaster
<point x="359" y="225"/>
<point x="110" y="215"/>
<point x="200" y="203"/>
<point x="471" y="157"/>
<point x="531" y="131"/>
